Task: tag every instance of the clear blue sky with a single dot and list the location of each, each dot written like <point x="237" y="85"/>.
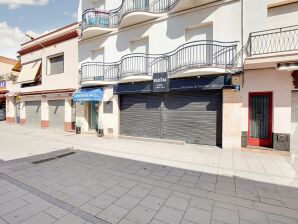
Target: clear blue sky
<point x="37" y="16"/>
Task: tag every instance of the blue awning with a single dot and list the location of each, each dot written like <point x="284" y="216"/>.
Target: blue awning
<point x="90" y="94"/>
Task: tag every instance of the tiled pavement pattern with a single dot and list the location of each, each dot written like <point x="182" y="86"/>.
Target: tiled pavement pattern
<point x="117" y="190"/>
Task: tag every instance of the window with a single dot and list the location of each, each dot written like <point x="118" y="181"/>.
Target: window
<point x="56" y="65"/>
<point x="108" y="107"/>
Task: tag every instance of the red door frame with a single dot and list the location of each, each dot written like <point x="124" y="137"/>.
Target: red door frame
<point x="257" y="141"/>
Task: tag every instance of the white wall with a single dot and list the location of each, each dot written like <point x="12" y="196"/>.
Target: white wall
<point x="167" y="33"/>
<point x="286" y="15"/>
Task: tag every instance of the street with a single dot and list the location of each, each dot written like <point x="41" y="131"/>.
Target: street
<point x="48" y="176"/>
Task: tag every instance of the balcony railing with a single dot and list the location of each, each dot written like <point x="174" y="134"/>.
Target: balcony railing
<point x="192" y="55"/>
<point x="113" y="18"/>
<point x="273" y="41"/>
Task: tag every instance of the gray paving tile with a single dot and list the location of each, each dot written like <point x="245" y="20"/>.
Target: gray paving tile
<point x="141" y="215"/>
<point x="225" y="215"/>
<point x="197" y="215"/>
<point x="128" y="201"/>
<point x="139" y="192"/>
<point x="91" y="209"/>
<point x="161" y="192"/>
<point x="103" y="201"/>
<point x="27" y="211"/>
<point x="70" y="219"/>
<point x="117" y="191"/>
<point x="56" y="212"/>
<point x="43" y="218"/>
<point x="79" y="199"/>
<point x="177" y="203"/>
<point x="169" y="215"/>
<point x="95" y="190"/>
<point x="125" y="221"/>
<point x="201" y="203"/>
<point x="152" y="202"/>
<point x="12" y="206"/>
<point x="113" y="214"/>
<point x="73" y="190"/>
<point x="30" y="198"/>
<point x="253" y="216"/>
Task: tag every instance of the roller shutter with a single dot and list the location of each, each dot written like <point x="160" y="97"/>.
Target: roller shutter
<point x="294" y="134"/>
<point x="56" y="113"/>
<point x="194" y="117"/>
<point x="140" y="115"/>
<point x="33" y="112"/>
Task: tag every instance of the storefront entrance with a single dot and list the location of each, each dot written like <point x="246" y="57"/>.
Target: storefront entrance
<point x="260" y="119"/>
<point x="93" y="115"/>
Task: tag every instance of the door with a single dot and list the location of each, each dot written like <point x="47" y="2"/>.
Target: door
<point x="56" y="113"/>
<point x="194" y="117"/>
<point x="140" y="115"/>
<point x="260" y="119"/>
<point x="294" y="131"/>
<point x="33" y="112"/>
<point x="93" y="115"/>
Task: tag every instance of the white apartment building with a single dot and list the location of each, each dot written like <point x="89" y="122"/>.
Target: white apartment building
<point x="165" y="69"/>
<point x="42" y="94"/>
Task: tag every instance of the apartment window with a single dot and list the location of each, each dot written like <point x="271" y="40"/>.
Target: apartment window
<point x="203" y="32"/>
<point x="56" y="64"/>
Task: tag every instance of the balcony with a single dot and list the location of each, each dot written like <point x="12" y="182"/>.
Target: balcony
<point x="188" y="4"/>
<point x="270" y="47"/>
<point x="97" y="22"/>
<point x="191" y="59"/>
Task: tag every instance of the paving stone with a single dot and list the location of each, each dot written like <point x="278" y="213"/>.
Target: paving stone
<point x="43" y="218"/>
<point x="113" y="214"/>
<point x="95" y="190"/>
<point x="30" y="198"/>
<point x="117" y="191"/>
<point x="128" y="201"/>
<point x="139" y="192"/>
<point x="56" y="212"/>
<point x="124" y="221"/>
<point x="169" y="215"/>
<point x="2" y="221"/>
<point x="152" y="202"/>
<point x="79" y="199"/>
<point x="70" y="219"/>
<point x="225" y="215"/>
<point x="141" y="215"/>
<point x="161" y="192"/>
<point x="201" y="203"/>
<point x="103" y="201"/>
<point x="91" y="209"/>
<point x="177" y="203"/>
<point x="12" y="206"/>
<point x="253" y="216"/>
<point x="197" y="215"/>
<point x="172" y="179"/>
<point x="73" y="190"/>
<point x="155" y="221"/>
<point x="27" y="211"/>
<point x="186" y="222"/>
<point x="89" y="182"/>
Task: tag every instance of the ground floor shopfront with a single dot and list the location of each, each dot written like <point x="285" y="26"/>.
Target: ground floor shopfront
<point x="196" y="111"/>
<point x="48" y="109"/>
<point x="270" y="109"/>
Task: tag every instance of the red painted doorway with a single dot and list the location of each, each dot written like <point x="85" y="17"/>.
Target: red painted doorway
<point x="260" y="119"/>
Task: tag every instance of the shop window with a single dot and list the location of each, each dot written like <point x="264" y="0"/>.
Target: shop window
<point x="108" y="107"/>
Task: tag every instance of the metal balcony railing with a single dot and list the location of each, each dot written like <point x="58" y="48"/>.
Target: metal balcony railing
<point x="112" y="19"/>
<point x="273" y="41"/>
<point x="192" y="55"/>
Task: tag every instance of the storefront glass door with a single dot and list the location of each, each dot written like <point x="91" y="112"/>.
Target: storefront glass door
<point x="93" y="115"/>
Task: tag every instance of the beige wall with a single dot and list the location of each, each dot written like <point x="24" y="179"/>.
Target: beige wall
<point x="231" y="136"/>
<point x="270" y="80"/>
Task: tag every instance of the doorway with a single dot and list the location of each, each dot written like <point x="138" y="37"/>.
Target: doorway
<point x="260" y="119"/>
<point x="93" y="115"/>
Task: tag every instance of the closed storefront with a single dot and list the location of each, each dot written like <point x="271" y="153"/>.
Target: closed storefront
<point x="194" y="117"/>
<point x="294" y="134"/>
<point x="33" y="112"/>
<point x="56" y="113"/>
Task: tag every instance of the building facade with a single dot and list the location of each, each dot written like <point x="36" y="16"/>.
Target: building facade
<point x="269" y="91"/>
<point x="42" y="94"/>
<point x="167" y="69"/>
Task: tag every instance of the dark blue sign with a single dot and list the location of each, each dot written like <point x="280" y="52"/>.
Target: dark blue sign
<point x="160" y="82"/>
<point x="175" y="85"/>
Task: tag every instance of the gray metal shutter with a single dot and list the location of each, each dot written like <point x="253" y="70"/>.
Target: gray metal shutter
<point x="140" y="115"/>
<point x="56" y="113"/>
<point x="294" y="132"/>
<point x="33" y="112"/>
<point x="194" y="117"/>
